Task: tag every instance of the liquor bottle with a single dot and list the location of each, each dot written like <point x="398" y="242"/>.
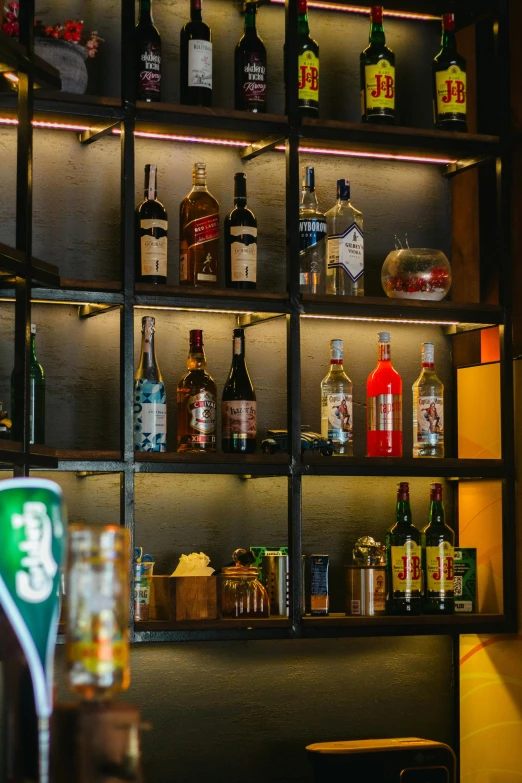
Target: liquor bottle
<point x="250" y="66"/>
<point x="428" y="408"/>
<point x="196" y="401"/>
<point x="438" y="559"/>
<point x="152" y="228"/>
<point x="238" y="405"/>
<point x="312" y="238"/>
<point x="240" y="240"/>
<point x="150" y="400"/>
<point x="336" y="403"/>
<point x="36" y="396"/>
<point x="449" y="82"/>
<point x="377" y="75"/>
<point x="384" y="405"/>
<point x="199" y="233"/>
<point x="344" y="246"/>
<point x="308" y="64"/>
<point x="196" y="59"/>
<point x="148" y="55"/>
<point x="403" y="559"/>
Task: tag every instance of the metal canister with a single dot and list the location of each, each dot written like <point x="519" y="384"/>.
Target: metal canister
<point x="365" y="590"/>
<point x="276" y="582"/>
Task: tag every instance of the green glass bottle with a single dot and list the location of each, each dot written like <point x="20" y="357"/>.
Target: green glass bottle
<point x="449" y="82"/>
<point x="37" y="396"/>
<point x="377" y="75"/>
<point x="403" y="559"/>
<point x="308" y="52"/>
<point x="438" y="559"/>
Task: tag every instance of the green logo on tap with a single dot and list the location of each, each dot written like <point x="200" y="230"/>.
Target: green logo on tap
<point x="32" y="538"/>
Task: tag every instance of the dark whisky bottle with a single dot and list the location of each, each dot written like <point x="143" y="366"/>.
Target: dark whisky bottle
<point x="449" y="82"/>
<point x="377" y="75"/>
<point x="438" y="559"/>
<point x="403" y="559"/>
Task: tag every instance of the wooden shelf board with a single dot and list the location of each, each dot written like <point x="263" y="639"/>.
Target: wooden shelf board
<point x="222" y="625"/>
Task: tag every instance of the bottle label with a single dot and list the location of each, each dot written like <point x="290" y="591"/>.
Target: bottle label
<point x="308" y="65"/>
<point x="254" y="80"/>
<point x="154" y="247"/>
<point x="243" y="254"/>
<point x="239" y="418"/>
<point x="440" y="570"/>
<point x="430" y="419"/>
<point x="200" y="64"/>
<point x="202" y="411"/>
<point x="337" y="412"/>
<point x="346" y="251"/>
<point x="150" y="69"/>
<point x="150" y="416"/>
<point x="380" y="85"/>
<point x="311" y="232"/>
<point x="102" y="657"/>
<point x="200" y="232"/>
<point x="406" y="569"/>
<point x="385" y="412"/>
<point x="451" y="91"/>
<point x="203" y="229"/>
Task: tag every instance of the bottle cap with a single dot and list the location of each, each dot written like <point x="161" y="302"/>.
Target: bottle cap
<point x="448" y="22"/>
<point x="240" y="185"/>
<point x="403" y="491"/>
<point x="336" y="350"/>
<point x="199" y="170"/>
<point x="33" y="328"/>
<point x="384" y="337"/>
<point x="376" y="14"/>
<point x="436" y="492"/>
<point x="309" y="178"/>
<point x="301" y="8"/>
<point x="147" y="319"/>
<point x="239" y="332"/>
<point x="343" y="189"/>
<point x="196" y="338"/>
<point x="428" y="353"/>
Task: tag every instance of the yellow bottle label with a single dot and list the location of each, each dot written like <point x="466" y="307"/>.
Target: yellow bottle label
<point x="440" y="568"/>
<point x="380" y="85"/>
<point x="308" y="77"/>
<point x="100" y="657"/>
<point x="451" y="91"/>
<point x="406" y="568"/>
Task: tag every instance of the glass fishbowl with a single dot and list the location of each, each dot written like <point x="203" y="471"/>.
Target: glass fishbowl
<point x="416" y="273"/>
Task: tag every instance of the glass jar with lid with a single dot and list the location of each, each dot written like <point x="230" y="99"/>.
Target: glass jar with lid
<point x="242" y="594"/>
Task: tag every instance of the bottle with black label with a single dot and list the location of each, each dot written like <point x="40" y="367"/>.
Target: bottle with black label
<point x="148" y="55"/>
<point x="240" y="240"/>
<point x="312" y="238"/>
<point x="250" y="66"/>
<point x="151" y="228"/>
<point x="238" y="406"/>
<point x="196" y="59"/>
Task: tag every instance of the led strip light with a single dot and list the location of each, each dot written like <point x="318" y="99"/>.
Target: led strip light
<point x="358" y="9"/>
<point x="383" y="320"/>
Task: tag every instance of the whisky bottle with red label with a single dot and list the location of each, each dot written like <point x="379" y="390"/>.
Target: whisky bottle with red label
<point x="199" y="233"/>
<point x="377" y="75"/>
<point x="384" y="406"/>
<point x="308" y="65"/>
<point x="403" y="559"/>
<point x="438" y="559"/>
<point x="449" y="82"/>
<point x="196" y="401"/>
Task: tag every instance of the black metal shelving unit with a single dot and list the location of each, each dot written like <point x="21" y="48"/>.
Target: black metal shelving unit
<point x="27" y="279"/>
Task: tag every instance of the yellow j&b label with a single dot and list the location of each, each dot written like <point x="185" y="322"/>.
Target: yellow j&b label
<point x="406" y="568"/>
<point x="440" y="569"/>
<point x="308" y="77"/>
<point x="451" y="91"/>
<point x="380" y="85"/>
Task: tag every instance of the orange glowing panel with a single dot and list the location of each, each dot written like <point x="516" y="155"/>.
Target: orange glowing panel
<point x="478" y="403"/>
<point x="490" y="345"/>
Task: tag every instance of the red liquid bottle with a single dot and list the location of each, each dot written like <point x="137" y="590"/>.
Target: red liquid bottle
<point x="384" y="406"/>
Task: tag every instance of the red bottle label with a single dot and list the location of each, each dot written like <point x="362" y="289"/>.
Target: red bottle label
<point x="406" y="569"/>
<point x="203" y="229"/>
<point x="254" y="80"/>
<point x="150" y="69"/>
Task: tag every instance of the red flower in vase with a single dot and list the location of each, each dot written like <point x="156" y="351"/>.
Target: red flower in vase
<point x="73" y="30"/>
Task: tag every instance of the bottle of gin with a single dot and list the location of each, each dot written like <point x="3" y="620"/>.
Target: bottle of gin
<point x="384" y="405"/>
<point x="152" y="228"/>
<point x="336" y="403"/>
<point x="377" y="75"/>
<point x="196" y="401"/>
<point x="150" y="400"/>
<point x="438" y="559"/>
<point x="449" y="81"/>
<point x="428" y="408"/>
<point x="403" y="559"/>
<point x="36" y="397"/>
<point x="344" y="246"/>
<point x="312" y="238"/>
<point x="199" y="233"/>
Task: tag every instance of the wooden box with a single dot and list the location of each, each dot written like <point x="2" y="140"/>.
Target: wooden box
<point x="177" y="598"/>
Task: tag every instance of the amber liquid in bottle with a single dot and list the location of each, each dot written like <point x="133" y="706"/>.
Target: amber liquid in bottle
<point x="199" y="233"/>
<point x="196" y="401"/>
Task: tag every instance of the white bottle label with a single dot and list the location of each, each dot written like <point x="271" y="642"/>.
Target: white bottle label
<point x="153" y="249"/>
<point x="243" y="258"/>
<point x="337" y="417"/>
<point x="200" y="64"/>
<point x="347" y="251"/>
<point x="430" y="419"/>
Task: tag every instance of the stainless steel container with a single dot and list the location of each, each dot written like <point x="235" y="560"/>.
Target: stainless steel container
<point x="365" y="590"/>
<point x="276" y="582"/>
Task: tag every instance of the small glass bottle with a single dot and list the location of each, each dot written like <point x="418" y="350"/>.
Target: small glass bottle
<point x="196" y="401"/>
<point x="344" y="246"/>
<point x="384" y="405"/>
<point x="403" y="559"/>
<point x="336" y="403"/>
<point x="150" y="399"/>
<point x="438" y="555"/>
<point x="428" y="408"/>
<point x="312" y="238"/>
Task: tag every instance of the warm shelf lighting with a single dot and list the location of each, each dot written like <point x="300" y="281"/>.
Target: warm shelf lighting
<point x="44" y="124"/>
<point x="12" y="77"/>
<point x="194" y="309"/>
<point x="359" y="9"/>
<point x="189" y="139"/>
<point x="374" y="155"/>
<point x="384" y="320"/>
